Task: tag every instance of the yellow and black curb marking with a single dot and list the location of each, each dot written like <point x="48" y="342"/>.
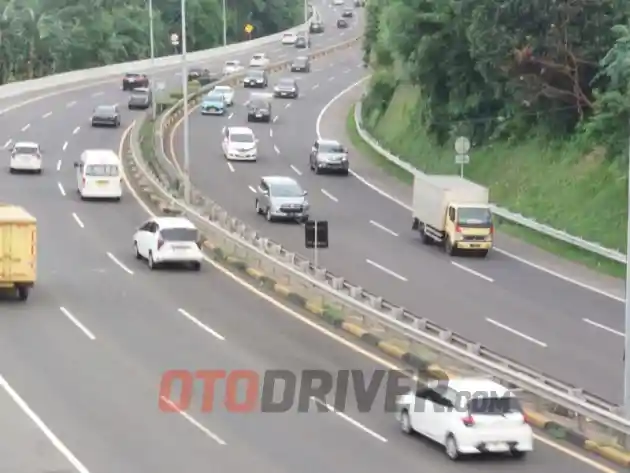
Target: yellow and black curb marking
<point x="423" y="367"/>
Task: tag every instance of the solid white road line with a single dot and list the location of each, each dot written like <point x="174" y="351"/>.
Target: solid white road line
<point x="385" y="270"/>
<point x="252" y="189"/>
<point x="78" y="324"/>
<point x="61" y="189"/>
<point x="604" y="327"/>
<point x="516" y="332"/>
<point x="230" y="166"/>
<point x="58" y="444"/>
<point x="472" y="271"/>
<point x="78" y="220"/>
<point x="384" y="228"/>
<point x="121" y="265"/>
<point x="59" y="165"/>
<point x="275" y="148"/>
<point x="349" y="419"/>
<point x="201" y="325"/>
<point x="46" y="115"/>
<point x="26" y="127"/>
<point x="71" y="104"/>
<point x="329" y="195"/>
<point x="197" y="424"/>
<point x="296" y="170"/>
<point x="76" y="130"/>
<point x="65" y="146"/>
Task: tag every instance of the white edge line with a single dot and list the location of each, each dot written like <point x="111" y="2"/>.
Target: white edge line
<point x="230" y="166"/>
<point x="516" y="332"/>
<point x="349" y="419"/>
<point x="384" y="228"/>
<point x="604" y="327"/>
<point x="252" y="189"/>
<point x="117" y="261"/>
<point x="201" y="325"/>
<point x="338" y="338"/>
<point x="194" y="422"/>
<point x="58" y="444"/>
<point x="61" y="189"/>
<point x="378" y="190"/>
<point x="275" y="148"/>
<point x="386" y="270"/>
<point x="296" y="170"/>
<point x="78" y="220"/>
<point x="78" y="324"/>
<point x="329" y="195"/>
<point x="472" y="271"/>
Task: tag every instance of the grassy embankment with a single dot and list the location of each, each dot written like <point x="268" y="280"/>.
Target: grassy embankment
<point x="582" y="193"/>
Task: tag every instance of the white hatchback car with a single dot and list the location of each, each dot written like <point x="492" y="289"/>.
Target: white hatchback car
<point x="232" y="67"/>
<point x="228" y="93"/>
<point x="259" y="60"/>
<point x="239" y="144"/>
<point x="168" y="240"/>
<point x="467" y="416"/>
<point x="289" y="38"/>
<point x="26" y="157"/>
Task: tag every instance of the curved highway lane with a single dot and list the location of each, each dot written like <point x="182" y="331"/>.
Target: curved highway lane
<point x="566" y="330"/>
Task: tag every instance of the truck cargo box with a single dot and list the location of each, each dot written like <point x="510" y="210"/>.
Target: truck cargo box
<point x="18" y="247"/>
<point x="433" y="193"/>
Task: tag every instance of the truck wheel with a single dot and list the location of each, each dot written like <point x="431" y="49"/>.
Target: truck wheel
<point x="450" y="249"/>
<point x="426" y="239"/>
<point x="483" y="253"/>
<point x="23" y="292"/>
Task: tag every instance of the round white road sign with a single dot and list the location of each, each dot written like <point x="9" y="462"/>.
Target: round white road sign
<point x="462" y="145"/>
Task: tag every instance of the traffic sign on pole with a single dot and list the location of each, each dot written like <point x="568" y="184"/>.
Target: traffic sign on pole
<point x="462" y="146"/>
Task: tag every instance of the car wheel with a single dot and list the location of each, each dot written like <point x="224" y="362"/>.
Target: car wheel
<point x="259" y="210"/>
<point x="405" y="423"/>
<point x="317" y="169"/>
<point x="345" y="172"/>
<point x="151" y="262"/>
<point x="12" y="171"/>
<point x="23" y="292"/>
<point x="268" y="215"/>
<point x="451" y="448"/>
<point x="518" y="454"/>
<point x="196" y="266"/>
<point x="135" y="249"/>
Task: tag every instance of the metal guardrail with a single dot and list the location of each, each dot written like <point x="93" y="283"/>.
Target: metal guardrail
<point x="236" y="238"/>
<point x="500" y="212"/>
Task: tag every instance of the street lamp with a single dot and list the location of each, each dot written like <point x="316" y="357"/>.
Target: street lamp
<point x="185" y="94"/>
<point x="626" y="351"/>
<point x="308" y="28"/>
<point x="224" y="23"/>
<point x="152" y="47"/>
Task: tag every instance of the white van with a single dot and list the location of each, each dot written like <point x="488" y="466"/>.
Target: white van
<point x="99" y="175"/>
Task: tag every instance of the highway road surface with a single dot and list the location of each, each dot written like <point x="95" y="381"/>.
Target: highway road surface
<point x="81" y="361"/>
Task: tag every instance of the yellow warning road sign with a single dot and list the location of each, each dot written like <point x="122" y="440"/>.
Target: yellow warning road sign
<point x="249" y="28"/>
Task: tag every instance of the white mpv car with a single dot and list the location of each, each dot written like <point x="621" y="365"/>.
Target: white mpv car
<point x="289" y="38"/>
<point x="168" y="240"/>
<point x="259" y="60"/>
<point x="26" y="156"/>
<point x="467" y="416"/>
<point x="239" y="144"/>
<point x="232" y="67"/>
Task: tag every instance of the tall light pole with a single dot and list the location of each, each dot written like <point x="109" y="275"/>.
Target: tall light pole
<point x="308" y="28"/>
<point x="626" y="351"/>
<point x="152" y="47"/>
<point x="224" y="22"/>
<point x="185" y="94"/>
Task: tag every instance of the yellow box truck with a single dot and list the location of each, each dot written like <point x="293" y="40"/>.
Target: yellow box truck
<point x="454" y="212"/>
<point x="18" y="250"/>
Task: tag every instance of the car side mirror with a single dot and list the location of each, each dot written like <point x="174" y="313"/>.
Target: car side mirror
<point x="305" y="193"/>
<point x="201" y="240"/>
<point x="76" y="165"/>
<point x="257" y="141"/>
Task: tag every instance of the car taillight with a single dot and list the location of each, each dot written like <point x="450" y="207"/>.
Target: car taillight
<point x="458" y="229"/>
<point x="468" y="421"/>
<point x="160" y="243"/>
<point x="83" y="181"/>
<point x="491" y="229"/>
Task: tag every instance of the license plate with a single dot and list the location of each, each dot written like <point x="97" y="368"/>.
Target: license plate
<point x="284" y="93"/>
<point x="259" y="115"/>
<point x="474" y="245"/>
<point x="101" y="183"/>
<point x="179" y="247"/>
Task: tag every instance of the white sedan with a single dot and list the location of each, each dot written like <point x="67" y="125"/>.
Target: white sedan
<point x="259" y="60"/>
<point x="289" y="38"/>
<point x="227" y="92"/>
<point x="232" y="67"/>
<point x="26" y="157"/>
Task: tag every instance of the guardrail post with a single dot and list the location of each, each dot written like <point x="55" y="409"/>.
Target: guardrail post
<point x="397" y="313"/>
<point x="356" y="292"/>
<point x="420" y="324"/>
<point x="446" y="335"/>
<point x="303" y="266"/>
<point x="320" y="274"/>
<point x="474" y="348"/>
<point x="376" y="302"/>
<point x="337" y="284"/>
<point x="289" y="257"/>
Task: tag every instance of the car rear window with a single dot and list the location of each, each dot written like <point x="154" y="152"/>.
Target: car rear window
<point x="105" y="110"/>
<point x="494" y="405"/>
<point x="179" y="234"/>
<point x="25" y="150"/>
<point x="102" y="170"/>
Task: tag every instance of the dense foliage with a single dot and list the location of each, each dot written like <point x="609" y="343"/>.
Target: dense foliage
<point x="40" y="37"/>
<point x="506" y="68"/>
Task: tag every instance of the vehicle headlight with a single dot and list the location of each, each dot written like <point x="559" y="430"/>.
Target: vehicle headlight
<point x="276" y="89"/>
<point x="488" y="237"/>
<point x="306" y="204"/>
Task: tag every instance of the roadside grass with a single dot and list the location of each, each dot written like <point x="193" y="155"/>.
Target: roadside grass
<point x="520" y="183"/>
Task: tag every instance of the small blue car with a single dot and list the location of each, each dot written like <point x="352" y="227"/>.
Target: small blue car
<point x="213" y="104"/>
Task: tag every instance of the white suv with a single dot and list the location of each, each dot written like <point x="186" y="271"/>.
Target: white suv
<point x="467" y="416"/>
<point x="26" y="156"/>
<point x="239" y="144"/>
<point x="289" y="38"/>
<point x="259" y="60"/>
<point x="168" y="240"/>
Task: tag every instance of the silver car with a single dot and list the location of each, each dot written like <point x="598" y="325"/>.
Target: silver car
<point x="329" y="156"/>
<point x="281" y="198"/>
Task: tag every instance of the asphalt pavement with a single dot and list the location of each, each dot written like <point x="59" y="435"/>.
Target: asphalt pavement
<point x="87" y="351"/>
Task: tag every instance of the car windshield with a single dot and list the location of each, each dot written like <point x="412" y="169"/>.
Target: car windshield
<point x="300" y="60"/>
<point x="286" y="189"/>
<point x="214" y="97"/>
<point x="223" y="89"/>
<point x="331" y="148"/>
<point x="179" y="234"/>
<point x="286" y="82"/>
<point x="102" y="170"/>
<point x="25" y="150"/>
<point x="140" y="93"/>
<point x="132" y="75"/>
<point x="258" y="104"/>
<point x="241" y="138"/>
<point x="104" y="110"/>
<point x="494" y="405"/>
<point x="231" y="63"/>
<point x="255" y="74"/>
<point x="474" y="216"/>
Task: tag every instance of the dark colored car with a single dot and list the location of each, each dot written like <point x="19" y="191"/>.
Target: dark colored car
<point x="359" y="3"/>
<point x="286" y="87"/>
<point x="203" y="76"/>
<point x="301" y="42"/>
<point x="316" y="27"/>
<point x="341" y="23"/>
<point x="140" y="99"/>
<point x="134" y="80"/>
<point x="259" y="110"/>
<point x="301" y="64"/>
<point x="347" y="13"/>
<point x="106" y="115"/>
<point x="256" y="78"/>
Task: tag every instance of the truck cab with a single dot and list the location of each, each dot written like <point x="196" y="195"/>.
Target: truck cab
<point x="468" y="227"/>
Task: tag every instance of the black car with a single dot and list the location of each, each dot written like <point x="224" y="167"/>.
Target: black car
<point x="347" y="13"/>
<point x="316" y="27"/>
<point x="359" y="3"/>
<point x="106" y="115"/>
<point x="140" y="99"/>
<point x="256" y="78"/>
<point x="301" y="42"/>
<point x="133" y="80"/>
<point x="259" y="109"/>
<point x="301" y="64"/>
<point x="203" y="76"/>
<point x="286" y="87"/>
<point x="341" y="23"/>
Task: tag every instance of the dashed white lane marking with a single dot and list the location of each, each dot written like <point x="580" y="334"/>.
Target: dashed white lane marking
<point x="201" y="325"/>
<point x="516" y="332"/>
<point x="26" y="127"/>
<point x="271" y="132"/>
<point x="252" y="189"/>
<point x="59" y="165"/>
<point x="231" y="115"/>
<point x="77" y="323"/>
<point x="65" y="146"/>
<point x="329" y="195"/>
<point x="194" y="422"/>
<point x="349" y="419"/>
<point x="384" y="228"/>
<point x="472" y="271"/>
<point x="58" y="444"/>
<point x="315" y="86"/>
<point x="121" y="265"/>
<point x="7" y="144"/>
<point x="386" y="270"/>
<point x="76" y="130"/>
<point x="331" y="78"/>
<point x="97" y="94"/>
<point x="61" y="189"/>
<point x="604" y="327"/>
<point x="230" y="166"/>
<point x="275" y="148"/>
<point x="287" y="105"/>
<point x="71" y="104"/>
<point x="275" y="119"/>
<point x="78" y="220"/>
<point x="296" y="170"/>
<point x="46" y="115"/>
